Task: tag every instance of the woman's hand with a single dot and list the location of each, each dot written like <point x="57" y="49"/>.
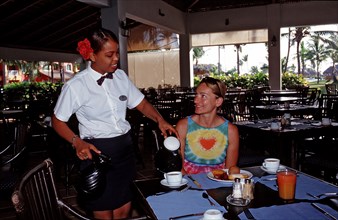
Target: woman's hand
<point x="83" y="149"/>
<point x="166" y="128"/>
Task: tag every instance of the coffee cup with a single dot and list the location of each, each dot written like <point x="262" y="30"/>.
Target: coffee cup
<point x="173" y="178"/>
<point x="326" y="121"/>
<point x="271" y="164"/>
<point x="274" y="126"/>
<point x="213" y="214"/>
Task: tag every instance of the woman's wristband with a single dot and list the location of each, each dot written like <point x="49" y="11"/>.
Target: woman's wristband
<point x="73" y="140"/>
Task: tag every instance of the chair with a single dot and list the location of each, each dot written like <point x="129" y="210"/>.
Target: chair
<point x="227" y="110"/>
<point x="320" y="159"/>
<point x="328" y="105"/>
<point x="331" y="89"/>
<point x="313" y="96"/>
<point x="13" y="158"/>
<point x="318" y="154"/>
<point x="36" y="196"/>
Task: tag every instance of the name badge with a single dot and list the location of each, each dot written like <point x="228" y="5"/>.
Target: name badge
<point x="123" y="98"/>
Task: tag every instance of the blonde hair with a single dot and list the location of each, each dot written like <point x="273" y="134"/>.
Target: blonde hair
<point x="217" y="86"/>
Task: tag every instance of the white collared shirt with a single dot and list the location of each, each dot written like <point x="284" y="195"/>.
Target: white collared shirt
<point x="100" y="110"/>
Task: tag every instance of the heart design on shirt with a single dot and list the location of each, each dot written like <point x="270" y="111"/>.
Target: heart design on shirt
<point x="207" y="143"/>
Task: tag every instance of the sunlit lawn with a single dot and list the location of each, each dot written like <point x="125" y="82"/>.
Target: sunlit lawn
<point x="320" y="85"/>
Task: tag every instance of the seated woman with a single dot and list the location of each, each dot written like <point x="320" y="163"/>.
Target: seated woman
<point x="208" y="141"/>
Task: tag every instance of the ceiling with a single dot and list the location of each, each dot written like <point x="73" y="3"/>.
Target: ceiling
<point x="57" y="25"/>
<point x="192" y="6"/>
<point x="48" y="25"/>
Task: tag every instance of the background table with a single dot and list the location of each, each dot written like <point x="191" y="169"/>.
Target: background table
<point x="284" y="143"/>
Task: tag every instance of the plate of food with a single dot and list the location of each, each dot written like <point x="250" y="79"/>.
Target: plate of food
<point x="228" y="175"/>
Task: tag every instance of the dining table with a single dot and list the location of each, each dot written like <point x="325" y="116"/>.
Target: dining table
<point x="158" y="201"/>
<point x="285" y="141"/>
<point x="282" y="96"/>
<point x="270" y="111"/>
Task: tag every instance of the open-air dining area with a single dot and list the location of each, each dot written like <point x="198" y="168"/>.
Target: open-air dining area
<point x="279" y="116"/>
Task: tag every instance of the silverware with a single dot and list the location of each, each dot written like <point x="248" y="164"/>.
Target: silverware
<point x="206" y="196"/>
<point x="248" y="214"/>
<point x="323" y="194"/>
<point x="323" y="211"/>
<point x="313" y="196"/>
<point x="180" y="190"/>
<point x="327" y="194"/>
<point x="188" y="215"/>
<point x="196" y="183"/>
<point x="270" y="179"/>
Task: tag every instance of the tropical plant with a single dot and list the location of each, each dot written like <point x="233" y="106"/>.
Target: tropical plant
<point x="254" y="70"/>
<point x="291" y="80"/>
<point x="299" y="33"/>
<point x="331" y="45"/>
<point x="198" y="52"/>
<point x="238" y="50"/>
<point x="290" y="43"/>
<point x="244" y="59"/>
<point x="316" y="52"/>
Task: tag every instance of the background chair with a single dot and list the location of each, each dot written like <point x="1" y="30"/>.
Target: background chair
<point x="318" y="155"/>
<point x="328" y="105"/>
<point x="13" y="159"/>
<point x="331" y="89"/>
<point x="36" y="196"/>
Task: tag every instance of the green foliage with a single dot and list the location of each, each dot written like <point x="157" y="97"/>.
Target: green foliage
<point x="249" y="81"/>
<point x="28" y="91"/>
<point x="290" y="80"/>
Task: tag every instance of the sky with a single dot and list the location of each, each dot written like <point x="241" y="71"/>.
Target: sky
<point x="257" y="53"/>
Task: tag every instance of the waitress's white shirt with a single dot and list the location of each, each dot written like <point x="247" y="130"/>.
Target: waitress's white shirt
<point x="100" y="110"/>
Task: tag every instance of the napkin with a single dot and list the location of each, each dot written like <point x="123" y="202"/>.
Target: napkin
<point x="181" y="203"/>
<point x="305" y="184"/>
<point x="290" y="211"/>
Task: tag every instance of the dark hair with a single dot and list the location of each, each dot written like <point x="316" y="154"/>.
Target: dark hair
<point x="216" y="85"/>
<point x="100" y="36"/>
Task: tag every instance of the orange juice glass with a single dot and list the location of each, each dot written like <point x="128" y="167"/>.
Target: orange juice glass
<point x="286" y="180"/>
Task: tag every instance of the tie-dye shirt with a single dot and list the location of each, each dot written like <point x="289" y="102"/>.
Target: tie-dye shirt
<point x="205" y="148"/>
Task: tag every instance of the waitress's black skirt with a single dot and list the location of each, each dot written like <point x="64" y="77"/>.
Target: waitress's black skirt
<point x="119" y="177"/>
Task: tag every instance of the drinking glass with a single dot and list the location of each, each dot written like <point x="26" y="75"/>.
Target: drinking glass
<point x="286" y="180"/>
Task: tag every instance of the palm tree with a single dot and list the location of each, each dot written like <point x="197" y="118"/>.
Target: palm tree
<point x="198" y="52"/>
<point x="290" y="43"/>
<point x="331" y="45"/>
<point x="317" y="51"/>
<point x="303" y="56"/>
<point x="238" y="50"/>
<point x="254" y="69"/>
<point x="299" y="34"/>
<point x="244" y="59"/>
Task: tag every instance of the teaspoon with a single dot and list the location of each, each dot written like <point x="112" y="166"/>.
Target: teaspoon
<point x="206" y="196"/>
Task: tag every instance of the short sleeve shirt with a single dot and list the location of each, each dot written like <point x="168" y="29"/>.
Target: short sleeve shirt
<point x="100" y="110"/>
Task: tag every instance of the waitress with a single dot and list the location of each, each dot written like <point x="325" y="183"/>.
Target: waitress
<point x="99" y="96"/>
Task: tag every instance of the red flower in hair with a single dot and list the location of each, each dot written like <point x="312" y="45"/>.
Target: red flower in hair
<point x="84" y="48"/>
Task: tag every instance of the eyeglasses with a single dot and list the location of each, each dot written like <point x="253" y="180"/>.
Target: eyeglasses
<point x="212" y="81"/>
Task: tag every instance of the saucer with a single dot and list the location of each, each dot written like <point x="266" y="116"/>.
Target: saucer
<point x="237" y="202"/>
<point x="165" y="183"/>
<point x="272" y="172"/>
